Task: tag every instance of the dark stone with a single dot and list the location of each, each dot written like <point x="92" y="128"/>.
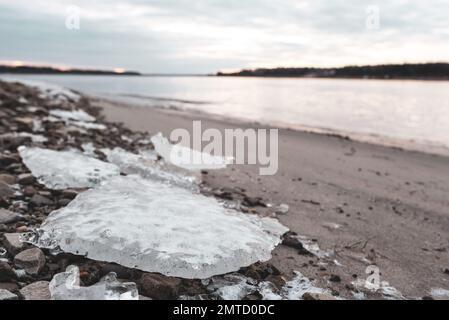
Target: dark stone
<point x="5" y="190"/>
<point x="291" y="241"/>
<point x="39" y="200"/>
<point x="159" y="287"/>
<point x="26" y="178"/>
<point x="6" y="272"/>
<point x="335" y="278"/>
<point x="7" y="216"/>
<point x="8" y="179"/>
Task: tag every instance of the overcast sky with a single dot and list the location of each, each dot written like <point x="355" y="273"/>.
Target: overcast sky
<point x="203" y="36"/>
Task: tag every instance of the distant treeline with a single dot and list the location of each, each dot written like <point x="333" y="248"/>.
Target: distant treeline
<point x="50" y="70"/>
<point x="391" y="71"/>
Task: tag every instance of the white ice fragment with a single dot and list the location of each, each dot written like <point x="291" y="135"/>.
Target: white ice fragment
<point x="439" y="293"/>
<point x="294" y="289"/>
<point x="187" y="158"/>
<point x="145" y="165"/>
<point x="37" y="125"/>
<point x="2" y="252"/>
<point x="156" y="227"/>
<point x="313" y="247"/>
<point x="267" y="291"/>
<point x="88" y="149"/>
<point x="88" y="125"/>
<point x="66" y="286"/>
<point x="76" y="115"/>
<point x="66" y="169"/>
<point x="282" y="208"/>
<point x="231" y="286"/>
<point x="37" y="138"/>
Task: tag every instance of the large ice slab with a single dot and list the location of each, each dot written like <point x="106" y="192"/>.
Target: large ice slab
<point x="187" y="158"/>
<point x="66" y="169"/>
<point x="145" y="165"/>
<point x="66" y="286"/>
<point x="156" y="227"/>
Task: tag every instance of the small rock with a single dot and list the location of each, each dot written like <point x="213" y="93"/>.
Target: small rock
<point x="7" y="216"/>
<point x="26" y="178"/>
<point x="10" y="286"/>
<point x="36" y="291"/>
<point x="446" y="271"/>
<point x="159" y="287"/>
<point x="32" y="260"/>
<point x="39" y="200"/>
<point x="5" y="190"/>
<point x="70" y="193"/>
<point x="6" y="295"/>
<point x="63" y="202"/>
<point x="29" y="191"/>
<point x="335" y="278"/>
<point x="317" y="296"/>
<point x="6" y="272"/>
<point x="6" y="160"/>
<point x="12" y="243"/>
<point x="8" y="179"/>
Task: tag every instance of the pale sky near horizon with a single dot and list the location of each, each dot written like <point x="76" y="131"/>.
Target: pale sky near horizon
<point x="180" y="36"/>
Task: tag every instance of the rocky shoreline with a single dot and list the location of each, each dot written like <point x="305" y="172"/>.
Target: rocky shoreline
<point x="26" y="271"/>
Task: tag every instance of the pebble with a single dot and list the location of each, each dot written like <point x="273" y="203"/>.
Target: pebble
<point x="6" y="272"/>
<point x="8" y="179"/>
<point x="7" y="295"/>
<point x="317" y="296"/>
<point x="5" y="190"/>
<point x="36" y="291"/>
<point x="7" y="216"/>
<point x="158" y="287"/>
<point x="12" y="243"/>
<point x="39" y="200"/>
<point x="32" y="260"/>
<point x="26" y="178"/>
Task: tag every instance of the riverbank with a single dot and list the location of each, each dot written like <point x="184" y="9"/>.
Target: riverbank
<point x="365" y="204"/>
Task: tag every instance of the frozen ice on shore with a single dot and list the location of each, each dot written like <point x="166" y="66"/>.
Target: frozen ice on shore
<point x="66" y="286"/>
<point x="187" y="158"/>
<point x="145" y="165"/>
<point x="38" y="138"/>
<point x="156" y="227"/>
<point x="73" y="115"/>
<point x="66" y="169"/>
<point x="295" y="288"/>
<point x="52" y="92"/>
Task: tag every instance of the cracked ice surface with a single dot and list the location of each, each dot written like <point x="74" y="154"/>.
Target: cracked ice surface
<point x="187" y="158"/>
<point x="145" y="165"/>
<point x="66" y="169"/>
<point x="66" y="286"/>
<point x="156" y="227"/>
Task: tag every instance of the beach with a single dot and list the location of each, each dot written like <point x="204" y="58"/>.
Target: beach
<point x="366" y="204"/>
<point x="87" y="190"/>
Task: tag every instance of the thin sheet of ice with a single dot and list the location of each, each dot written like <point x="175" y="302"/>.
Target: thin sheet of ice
<point x="38" y="138"/>
<point x="313" y="247"/>
<point x="439" y="293"/>
<point x="66" y="169"/>
<point x="76" y="115"/>
<point x="145" y="165"/>
<point x="66" y="286"/>
<point x="156" y="227"/>
<point x="187" y="158"/>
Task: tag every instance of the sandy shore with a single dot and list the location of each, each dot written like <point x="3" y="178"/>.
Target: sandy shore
<point x="367" y="204"/>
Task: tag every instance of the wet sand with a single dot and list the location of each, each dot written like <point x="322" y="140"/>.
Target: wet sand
<point x="368" y="204"/>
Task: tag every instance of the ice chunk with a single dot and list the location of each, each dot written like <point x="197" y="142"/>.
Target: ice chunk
<point x="294" y="289"/>
<point x="439" y="293"/>
<point x="187" y="158"/>
<point x="66" y="286"/>
<point x="66" y="169"/>
<point x="38" y="138"/>
<point x="76" y="115"/>
<point x="145" y="165"/>
<point x="156" y="227"/>
<point x="232" y="286"/>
